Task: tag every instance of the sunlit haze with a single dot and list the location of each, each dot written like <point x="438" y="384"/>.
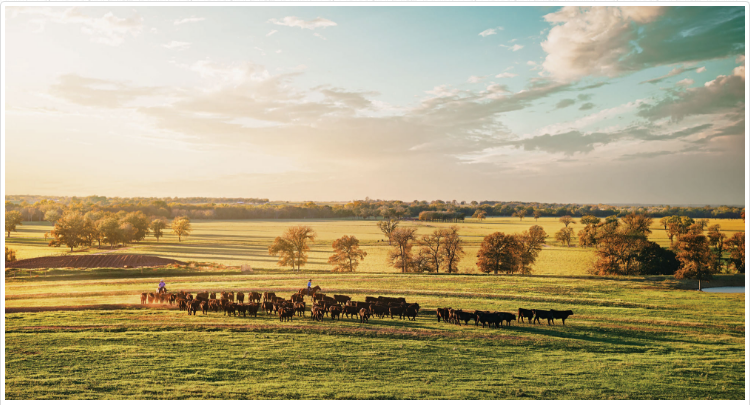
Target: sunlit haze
<point x="549" y="104"/>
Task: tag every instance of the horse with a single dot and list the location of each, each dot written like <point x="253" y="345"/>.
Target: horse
<point x="305" y="291"/>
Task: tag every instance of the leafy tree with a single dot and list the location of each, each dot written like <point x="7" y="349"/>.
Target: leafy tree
<point x="567" y="220"/>
<point x="12" y="220"/>
<point x="537" y="214"/>
<point x="695" y="258"/>
<point x="736" y="248"/>
<point x="291" y="246"/>
<point x="520" y="213"/>
<point x="10" y="255"/>
<point x="498" y="253"/>
<point x="156" y="228"/>
<point x="140" y="225"/>
<point x="400" y="256"/>
<point x="387" y="227"/>
<point x="109" y="230"/>
<point x="69" y="230"/>
<point x="181" y="227"/>
<point x="677" y="226"/>
<point x="653" y="259"/>
<point x="716" y="240"/>
<point x="530" y="244"/>
<point x="52" y="216"/>
<point x="637" y="223"/>
<point x="127" y="232"/>
<point x="479" y="214"/>
<point x="590" y="220"/>
<point x="452" y="250"/>
<point x="620" y="246"/>
<point x="564" y="235"/>
<point x="346" y="254"/>
<point x="432" y="248"/>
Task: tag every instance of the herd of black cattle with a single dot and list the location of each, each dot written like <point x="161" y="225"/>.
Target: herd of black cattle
<point x="234" y="304"/>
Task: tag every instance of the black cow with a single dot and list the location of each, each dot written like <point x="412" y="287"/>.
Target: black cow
<point x="542" y="314"/>
<point x="350" y="311"/>
<point x="525" y="313"/>
<point x="335" y="311"/>
<point x="560" y="315"/>
<point x="252" y="309"/>
<point x="341" y="299"/>
<point x="443" y="313"/>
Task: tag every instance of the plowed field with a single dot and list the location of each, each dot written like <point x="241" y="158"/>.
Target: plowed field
<point x="91" y="261"/>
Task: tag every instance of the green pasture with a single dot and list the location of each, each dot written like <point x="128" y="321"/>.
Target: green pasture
<point x="629" y="338"/>
<point x="237" y="242"/>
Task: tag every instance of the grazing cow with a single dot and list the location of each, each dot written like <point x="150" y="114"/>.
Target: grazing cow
<point x="459" y="315"/>
<point x="194" y="306"/>
<point x="364" y="315"/>
<point x="286" y="313"/>
<point x="560" y="315"/>
<point x="204" y="307"/>
<point x="378" y="310"/>
<point x="542" y="314"/>
<point x="268" y="307"/>
<point x="252" y="309"/>
<point x="212" y="296"/>
<point x="144" y="298"/>
<point x="240" y="297"/>
<point x="399" y="310"/>
<point x="341" y="299"/>
<point x="299" y="307"/>
<point x="350" y="311"/>
<point x="268" y="296"/>
<point x="507" y="317"/>
<point x="415" y="306"/>
<point x="253" y="296"/>
<point x="525" y="313"/>
<point x="443" y="313"/>
<point x="151" y="298"/>
<point x="411" y="313"/>
<point x="317" y="312"/>
<point x="335" y="311"/>
<point x="230" y="309"/>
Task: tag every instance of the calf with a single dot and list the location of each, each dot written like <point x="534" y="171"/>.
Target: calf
<point x="252" y="309"/>
<point x="144" y="298"/>
<point x="525" y="313"/>
<point x="443" y="313"/>
<point x="560" y="315"/>
<point x="286" y="313"/>
<point x="335" y="311"/>
<point x="299" y="308"/>
<point x="194" y="306"/>
<point x="341" y="299"/>
<point x="364" y="315"/>
<point x="240" y="297"/>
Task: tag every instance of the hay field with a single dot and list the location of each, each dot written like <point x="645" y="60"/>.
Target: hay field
<point x="236" y="242"/>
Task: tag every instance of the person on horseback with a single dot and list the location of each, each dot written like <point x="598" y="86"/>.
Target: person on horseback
<point x="309" y="283"/>
<point x="162" y="287"/>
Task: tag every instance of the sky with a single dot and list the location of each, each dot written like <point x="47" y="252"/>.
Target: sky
<point x="550" y="104"/>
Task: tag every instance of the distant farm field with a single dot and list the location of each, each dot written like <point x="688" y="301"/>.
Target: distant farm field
<point x="629" y="338"/>
<point x="246" y="242"/>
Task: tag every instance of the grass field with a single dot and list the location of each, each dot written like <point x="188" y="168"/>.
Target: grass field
<point x="246" y="242"/>
<point x="629" y="338"/>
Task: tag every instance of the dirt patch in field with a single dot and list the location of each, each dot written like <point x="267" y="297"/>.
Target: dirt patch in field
<point x="98" y="307"/>
<point x="92" y="261"/>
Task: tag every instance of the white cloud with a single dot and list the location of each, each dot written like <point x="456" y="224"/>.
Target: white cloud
<point x="740" y="59"/>
<point x="271" y="33"/>
<point x="531" y="63"/>
<point x="488" y="32"/>
<point x="591" y="40"/>
<point x="177" y="45"/>
<point x="685" y="82"/>
<point x="700" y="69"/>
<point x="319" y="35"/>
<point x="188" y="20"/>
<point x="513" y="48"/>
<point x="506" y="75"/>
<point x="291" y="21"/>
<point x="107" y="29"/>
<point x="476" y="79"/>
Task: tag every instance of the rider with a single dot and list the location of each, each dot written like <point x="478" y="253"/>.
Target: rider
<point x="162" y="287"/>
<point x="309" y="283"/>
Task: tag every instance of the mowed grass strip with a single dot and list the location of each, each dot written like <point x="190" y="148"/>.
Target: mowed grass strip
<point x="628" y="339"/>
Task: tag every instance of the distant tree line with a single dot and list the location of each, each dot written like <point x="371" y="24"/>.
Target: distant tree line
<point x="35" y="208"/>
